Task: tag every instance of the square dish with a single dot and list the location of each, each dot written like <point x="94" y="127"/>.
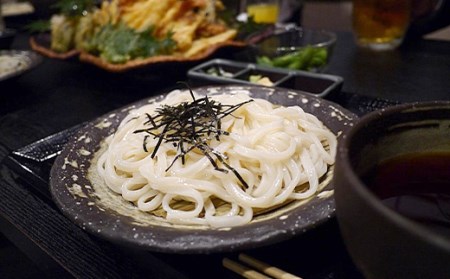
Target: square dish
<point x="222" y="71"/>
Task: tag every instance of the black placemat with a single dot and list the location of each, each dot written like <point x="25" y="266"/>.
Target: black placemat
<point x="360" y="104"/>
<point x="33" y="162"/>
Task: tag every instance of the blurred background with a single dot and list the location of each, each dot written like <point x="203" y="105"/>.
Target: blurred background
<point x="320" y="14"/>
<point x="332" y="15"/>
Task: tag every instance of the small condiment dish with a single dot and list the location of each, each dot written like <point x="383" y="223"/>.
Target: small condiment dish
<point x="295" y="48"/>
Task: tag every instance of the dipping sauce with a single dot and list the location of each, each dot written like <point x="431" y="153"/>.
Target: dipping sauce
<point x="417" y="186"/>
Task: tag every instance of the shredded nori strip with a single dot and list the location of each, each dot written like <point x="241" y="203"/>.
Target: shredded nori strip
<point x="191" y="125"/>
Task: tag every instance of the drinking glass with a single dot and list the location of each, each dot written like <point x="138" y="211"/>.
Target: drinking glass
<point x="263" y="11"/>
<point x="380" y="24"/>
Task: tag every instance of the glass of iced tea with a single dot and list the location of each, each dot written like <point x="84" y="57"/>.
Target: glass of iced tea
<point x="380" y="24"/>
<point x="263" y="11"/>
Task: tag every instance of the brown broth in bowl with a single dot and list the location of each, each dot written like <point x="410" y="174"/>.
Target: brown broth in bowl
<point x="416" y="186"/>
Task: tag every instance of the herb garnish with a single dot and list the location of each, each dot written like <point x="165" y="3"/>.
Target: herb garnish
<point x="38" y="26"/>
<point x="191" y="125"/>
<point x="245" y="28"/>
<point x="74" y="8"/>
<point x="119" y="43"/>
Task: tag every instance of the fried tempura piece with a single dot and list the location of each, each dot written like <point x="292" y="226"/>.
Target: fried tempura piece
<point x="182" y="21"/>
<point x="109" y="13"/>
<point x="143" y="14"/>
<point x="186" y="20"/>
<point x="62" y="30"/>
<point x="203" y="43"/>
<point x="211" y="29"/>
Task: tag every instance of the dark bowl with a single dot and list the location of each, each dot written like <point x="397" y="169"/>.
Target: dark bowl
<point x="383" y="243"/>
<point x="6" y="38"/>
<point x="314" y="48"/>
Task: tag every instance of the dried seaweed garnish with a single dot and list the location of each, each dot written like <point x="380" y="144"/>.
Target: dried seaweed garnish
<point x="191" y="125"/>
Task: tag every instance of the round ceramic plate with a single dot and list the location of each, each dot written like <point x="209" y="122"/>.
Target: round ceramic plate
<point x="96" y="209"/>
<point x="20" y="62"/>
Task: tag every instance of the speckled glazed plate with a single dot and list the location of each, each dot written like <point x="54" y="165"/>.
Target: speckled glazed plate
<point x="96" y="209"/>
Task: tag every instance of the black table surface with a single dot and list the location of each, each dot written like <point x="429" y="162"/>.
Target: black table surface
<point x="58" y="95"/>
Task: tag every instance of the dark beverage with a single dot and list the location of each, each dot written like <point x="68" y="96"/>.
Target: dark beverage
<point x="417" y="186"/>
<point x="380" y="24"/>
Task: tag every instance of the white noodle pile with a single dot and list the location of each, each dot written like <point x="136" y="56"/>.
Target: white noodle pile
<point x="273" y="148"/>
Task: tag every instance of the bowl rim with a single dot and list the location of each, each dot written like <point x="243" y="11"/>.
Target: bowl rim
<point x="414" y="228"/>
<point x="282" y="29"/>
<point x="332" y="37"/>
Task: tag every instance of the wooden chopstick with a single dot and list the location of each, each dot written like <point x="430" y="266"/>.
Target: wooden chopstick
<point x="246" y="272"/>
<point x="243" y="270"/>
<point x="267" y="269"/>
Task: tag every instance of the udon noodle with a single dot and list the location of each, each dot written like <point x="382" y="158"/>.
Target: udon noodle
<point x="279" y="152"/>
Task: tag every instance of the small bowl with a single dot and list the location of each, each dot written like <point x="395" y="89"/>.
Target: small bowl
<point x="6" y="38"/>
<point x="295" y="48"/>
<point x="391" y="240"/>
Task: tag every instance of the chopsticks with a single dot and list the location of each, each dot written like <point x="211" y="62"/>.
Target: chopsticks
<point x="246" y="272"/>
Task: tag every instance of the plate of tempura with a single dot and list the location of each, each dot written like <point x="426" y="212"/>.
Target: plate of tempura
<point x="121" y="35"/>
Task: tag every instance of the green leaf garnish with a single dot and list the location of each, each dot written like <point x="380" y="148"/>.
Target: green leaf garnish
<point x="38" y="26"/>
<point x="73" y="8"/>
<point x="244" y="28"/>
<point x="119" y="44"/>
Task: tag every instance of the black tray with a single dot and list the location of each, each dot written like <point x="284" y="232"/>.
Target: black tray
<point x="222" y="71"/>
